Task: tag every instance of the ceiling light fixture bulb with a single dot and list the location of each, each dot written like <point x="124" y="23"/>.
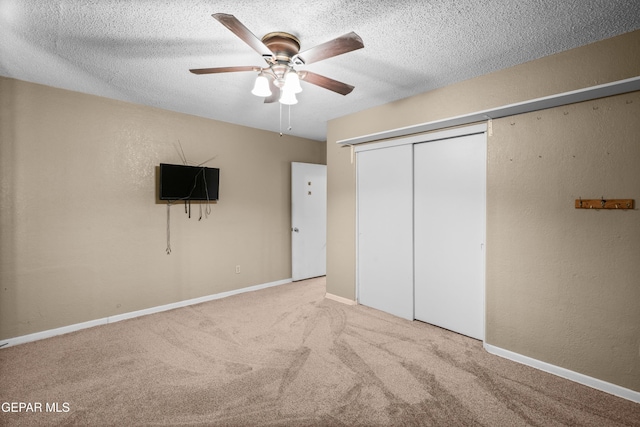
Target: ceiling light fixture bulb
<point x="261" y="86"/>
<point x="288" y="96"/>
<point x="292" y="80"/>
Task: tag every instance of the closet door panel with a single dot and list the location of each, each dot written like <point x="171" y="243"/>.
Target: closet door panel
<point x="450" y="223"/>
<point x="385" y="229"/>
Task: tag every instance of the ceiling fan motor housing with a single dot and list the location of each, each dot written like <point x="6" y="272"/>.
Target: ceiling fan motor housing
<point x="283" y="45"/>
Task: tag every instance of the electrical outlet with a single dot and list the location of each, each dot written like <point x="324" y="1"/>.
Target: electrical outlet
<point x="237" y="269"/>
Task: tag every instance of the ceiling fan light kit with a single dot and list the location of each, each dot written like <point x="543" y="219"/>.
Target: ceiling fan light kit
<point x="261" y="86"/>
<point x="288" y="97"/>
<point x="279" y="80"/>
<point x="292" y="80"/>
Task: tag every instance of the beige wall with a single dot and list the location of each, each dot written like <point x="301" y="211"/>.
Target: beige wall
<point x="562" y="284"/>
<point x="82" y="235"/>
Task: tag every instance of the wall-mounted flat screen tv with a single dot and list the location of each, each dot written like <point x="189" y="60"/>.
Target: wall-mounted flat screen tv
<point x="180" y="182"/>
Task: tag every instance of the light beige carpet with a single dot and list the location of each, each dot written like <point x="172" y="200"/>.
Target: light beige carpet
<point x="287" y="356"/>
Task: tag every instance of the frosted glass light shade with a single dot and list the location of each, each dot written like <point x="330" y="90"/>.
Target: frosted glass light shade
<point x="287" y="96"/>
<point x="292" y="81"/>
<point x="261" y="87"/>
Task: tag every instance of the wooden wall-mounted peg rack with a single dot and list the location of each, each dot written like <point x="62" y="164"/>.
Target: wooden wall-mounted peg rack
<point x="604" y="203"/>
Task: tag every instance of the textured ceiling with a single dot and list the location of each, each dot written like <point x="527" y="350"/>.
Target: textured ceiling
<point x="141" y="50"/>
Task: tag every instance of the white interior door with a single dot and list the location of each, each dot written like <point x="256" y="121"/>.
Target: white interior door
<point x="385" y="230"/>
<point x="308" y="220"/>
<point x="450" y="223"/>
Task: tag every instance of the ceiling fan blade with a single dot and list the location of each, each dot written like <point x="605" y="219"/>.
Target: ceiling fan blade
<point x="223" y="69"/>
<point x="237" y="28"/>
<point x="335" y="47"/>
<point x="326" y="82"/>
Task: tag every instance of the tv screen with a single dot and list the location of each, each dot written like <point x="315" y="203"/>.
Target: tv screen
<point x="179" y="182"/>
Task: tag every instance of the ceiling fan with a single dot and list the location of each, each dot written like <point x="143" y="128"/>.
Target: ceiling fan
<point x="279" y="80"/>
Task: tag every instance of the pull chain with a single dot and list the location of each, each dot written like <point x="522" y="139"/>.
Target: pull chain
<point x="280" y="118"/>
<point x="289" y="128"/>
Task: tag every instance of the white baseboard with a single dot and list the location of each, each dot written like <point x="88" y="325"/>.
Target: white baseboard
<point x="616" y="390"/>
<point x="124" y="316"/>
<point x="340" y="299"/>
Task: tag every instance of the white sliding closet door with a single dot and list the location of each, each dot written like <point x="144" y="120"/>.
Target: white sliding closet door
<point x="385" y="229"/>
<point x="450" y="200"/>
